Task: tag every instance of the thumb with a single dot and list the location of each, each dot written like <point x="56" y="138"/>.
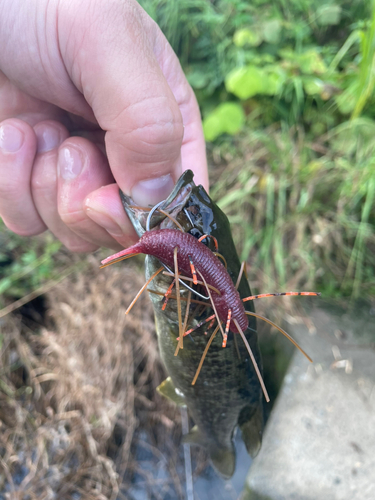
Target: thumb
<point x="134" y="84"/>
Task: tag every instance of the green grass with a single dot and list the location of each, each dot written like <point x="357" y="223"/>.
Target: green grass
<point x="302" y="213"/>
<point x="31" y="266"/>
<point x="366" y="81"/>
<point x="298" y="183"/>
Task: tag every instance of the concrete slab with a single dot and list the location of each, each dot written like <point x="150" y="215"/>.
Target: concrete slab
<point x="319" y="442"/>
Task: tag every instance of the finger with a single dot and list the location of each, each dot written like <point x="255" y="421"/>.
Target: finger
<point x="49" y="136"/>
<point x="133" y="102"/>
<point x="17" y="151"/>
<point x="31" y="58"/>
<point x="82" y="168"/>
<point x="141" y="97"/>
<point x="105" y="208"/>
<point x="16" y="104"/>
<point x="193" y="150"/>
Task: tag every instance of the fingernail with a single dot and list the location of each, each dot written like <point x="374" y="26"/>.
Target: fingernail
<point x="104" y="221"/>
<point x="48" y="138"/>
<point x="70" y="163"/>
<point x="151" y="191"/>
<point x="11" y="138"/>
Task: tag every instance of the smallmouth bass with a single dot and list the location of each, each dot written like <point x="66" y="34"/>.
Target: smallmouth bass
<point x="227" y="392"/>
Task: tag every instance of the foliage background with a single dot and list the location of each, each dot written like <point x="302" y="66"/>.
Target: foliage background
<point x="286" y="90"/>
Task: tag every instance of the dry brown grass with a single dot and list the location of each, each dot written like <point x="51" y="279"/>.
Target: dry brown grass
<point x="78" y="399"/>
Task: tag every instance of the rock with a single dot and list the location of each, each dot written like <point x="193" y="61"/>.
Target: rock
<point x="319" y="442"/>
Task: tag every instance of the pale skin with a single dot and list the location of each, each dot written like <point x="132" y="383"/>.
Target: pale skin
<point x="92" y="98"/>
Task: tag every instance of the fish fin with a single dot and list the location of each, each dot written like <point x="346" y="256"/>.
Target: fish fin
<point x="251" y="429"/>
<point x="223" y="459"/>
<point x="194" y="437"/>
<point x="168" y="390"/>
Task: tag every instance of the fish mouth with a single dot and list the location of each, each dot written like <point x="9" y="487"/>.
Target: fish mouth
<point x="174" y="206"/>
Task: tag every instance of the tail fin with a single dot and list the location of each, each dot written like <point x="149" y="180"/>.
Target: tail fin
<point x="251" y="425"/>
<point x="223" y="458"/>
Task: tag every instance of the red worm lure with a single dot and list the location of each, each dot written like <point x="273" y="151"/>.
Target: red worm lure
<point x="194" y="258"/>
<point x="161" y="244"/>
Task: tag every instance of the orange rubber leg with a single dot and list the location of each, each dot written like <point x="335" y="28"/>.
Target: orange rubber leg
<point x="212" y="237"/>
<point x="167" y="294"/>
<point x="193" y="271"/>
<point x="224" y="344"/>
<point x="210" y="318"/>
<point x="262" y="295"/>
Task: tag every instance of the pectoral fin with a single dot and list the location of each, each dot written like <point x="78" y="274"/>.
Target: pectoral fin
<point x="251" y="425"/>
<point x="169" y="391"/>
<point x="194" y="437"/>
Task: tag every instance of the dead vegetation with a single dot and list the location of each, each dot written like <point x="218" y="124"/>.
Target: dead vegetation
<point x="80" y="415"/>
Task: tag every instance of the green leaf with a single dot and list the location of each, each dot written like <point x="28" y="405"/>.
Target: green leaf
<point x="250" y="80"/>
<point x="29" y="257"/>
<point x="354" y="137"/>
<point x="347" y="100"/>
<point x="311" y="62"/>
<point x="328" y="15"/>
<point x="245" y="82"/>
<point x="198" y="79"/>
<point x="5" y="283"/>
<point x="227" y="118"/>
<point x="313" y="86"/>
<point x="53" y="247"/>
<point x="246" y="36"/>
<point x="275" y="78"/>
<point x="272" y="31"/>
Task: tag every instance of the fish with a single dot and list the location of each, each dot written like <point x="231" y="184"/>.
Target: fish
<point x="227" y="393"/>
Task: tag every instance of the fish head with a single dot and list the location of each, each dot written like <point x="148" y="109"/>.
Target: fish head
<point x="173" y="206"/>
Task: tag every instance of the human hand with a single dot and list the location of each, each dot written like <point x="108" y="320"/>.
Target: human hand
<point x="91" y="94"/>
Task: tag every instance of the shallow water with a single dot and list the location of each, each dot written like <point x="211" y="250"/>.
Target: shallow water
<point x="207" y="485"/>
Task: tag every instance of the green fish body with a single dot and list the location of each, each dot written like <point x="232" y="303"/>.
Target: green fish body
<point x="227" y="392"/>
